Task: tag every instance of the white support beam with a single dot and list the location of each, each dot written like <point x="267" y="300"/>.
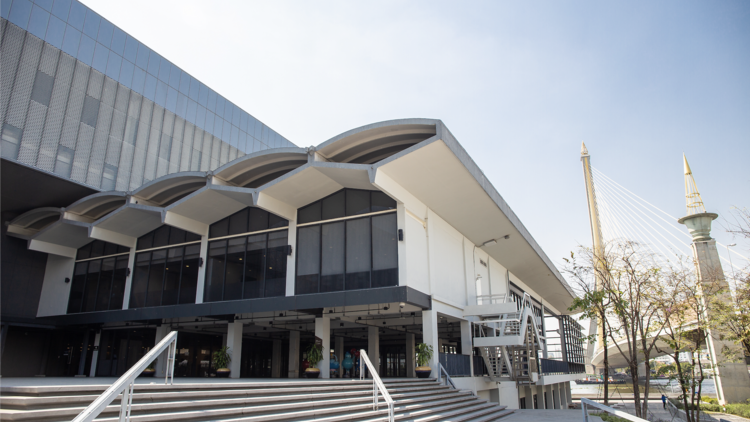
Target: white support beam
<point x="234" y="344"/>
<point x="271" y="204"/>
<point x="323" y="331"/>
<point x="373" y="347"/>
<point x="430" y="337"/>
<point x="51" y="248"/>
<point x="112" y="237"/>
<point x="173" y="219"/>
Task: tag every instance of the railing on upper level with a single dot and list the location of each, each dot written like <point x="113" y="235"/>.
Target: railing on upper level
<point x="492" y="299"/>
<point x="456" y="365"/>
<point x="377" y="384"/>
<point x="558" y="367"/>
<point x="126" y="383"/>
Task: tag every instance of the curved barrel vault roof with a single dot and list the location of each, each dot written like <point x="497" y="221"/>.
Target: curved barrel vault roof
<point x="415" y="161"/>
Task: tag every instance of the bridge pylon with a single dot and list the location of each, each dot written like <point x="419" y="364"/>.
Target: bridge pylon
<point x="732" y="378"/>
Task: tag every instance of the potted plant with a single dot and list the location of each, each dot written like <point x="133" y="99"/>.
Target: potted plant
<point x="424" y="354"/>
<point x="221" y="360"/>
<point x="150" y="370"/>
<point x="314" y="356"/>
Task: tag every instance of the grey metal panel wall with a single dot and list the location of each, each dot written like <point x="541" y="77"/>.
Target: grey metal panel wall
<point x="76" y="121"/>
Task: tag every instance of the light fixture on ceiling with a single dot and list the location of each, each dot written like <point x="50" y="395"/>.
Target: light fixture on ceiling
<point x="490" y="242"/>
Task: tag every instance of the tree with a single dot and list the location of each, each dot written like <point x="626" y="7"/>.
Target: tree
<point x="685" y="332"/>
<point x="633" y="305"/>
<point x="591" y="303"/>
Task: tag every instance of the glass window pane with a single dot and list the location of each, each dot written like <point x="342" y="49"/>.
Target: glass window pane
<point x="384" y="251"/>
<point x="86" y="50"/>
<point x="154" y="61"/>
<point x="84" y="252"/>
<point x="156" y="277"/>
<point x="276" y="257"/>
<point x="118" y="283"/>
<point x="308" y="259"/>
<point x="172" y="276"/>
<point x="77" y="15"/>
<point x="192" y="237"/>
<point x="146" y="241"/>
<point x="357" y="202"/>
<point x="140" y="280"/>
<point x="105" y="284"/>
<point x="20" y="11"/>
<point x="101" y="55"/>
<point x="258" y="220"/>
<point x="332" y="259"/>
<point x="72" y="41"/>
<point x="382" y="202"/>
<point x="55" y="32"/>
<point x="131" y="49"/>
<point x="333" y="206"/>
<point x="97" y="248"/>
<point x="215" y="271"/>
<point x="113" y="66"/>
<point x="235" y="268"/>
<point x="142" y="56"/>
<point x="38" y="22"/>
<point x="219" y="228"/>
<point x="105" y="33"/>
<point x="358" y="256"/>
<point x="91" y="24"/>
<point x="109" y="249"/>
<point x="76" y="289"/>
<point x="176" y="236"/>
<point x="161" y="236"/>
<point x="118" y="41"/>
<point x="309" y="213"/>
<point x="60" y="9"/>
<point x="92" y="284"/>
<point x="238" y="222"/>
<point x="189" y="277"/>
<point x="254" y="265"/>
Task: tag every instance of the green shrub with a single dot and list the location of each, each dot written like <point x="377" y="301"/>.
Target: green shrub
<point x="606" y="417"/>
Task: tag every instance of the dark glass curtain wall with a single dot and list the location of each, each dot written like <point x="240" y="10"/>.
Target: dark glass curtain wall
<point x="165" y="276"/>
<point x="250" y="266"/>
<point x="353" y="254"/>
<point x="98" y="284"/>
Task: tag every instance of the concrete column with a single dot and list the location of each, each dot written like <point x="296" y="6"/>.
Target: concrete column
<point x="161" y="361"/>
<point x="568" y="394"/>
<point x="234" y="344"/>
<point x="323" y="331"/>
<point x="338" y="350"/>
<point x="540" y="389"/>
<point x="556" y="396"/>
<point x="529" y="395"/>
<point x="430" y="337"/>
<point x="200" y="287"/>
<point x="291" y="262"/>
<point x="294" y="354"/>
<point x="467" y="346"/>
<point x="276" y="360"/>
<point x="410" y="355"/>
<point x="509" y="394"/>
<point x="642" y="370"/>
<point x="95" y="354"/>
<point x="84" y="352"/>
<point x="373" y="348"/>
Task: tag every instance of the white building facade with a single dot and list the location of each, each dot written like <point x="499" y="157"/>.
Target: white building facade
<point x="380" y="238"/>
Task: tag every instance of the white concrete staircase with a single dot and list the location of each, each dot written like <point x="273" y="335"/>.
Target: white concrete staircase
<point x="262" y="400"/>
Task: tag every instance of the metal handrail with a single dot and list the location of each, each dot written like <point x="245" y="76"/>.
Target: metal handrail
<point x="492" y="299"/>
<point x="126" y="383"/>
<point x="586" y="402"/>
<point x="377" y="384"/>
<point x="448" y="379"/>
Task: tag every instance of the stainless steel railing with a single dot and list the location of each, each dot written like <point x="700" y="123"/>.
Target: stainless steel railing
<point x="448" y="380"/>
<point x="126" y="383"/>
<point x="377" y="384"/>
<point x="586" y="403"/>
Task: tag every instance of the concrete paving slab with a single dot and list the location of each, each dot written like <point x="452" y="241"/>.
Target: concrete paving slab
<point x="526" y="415"/>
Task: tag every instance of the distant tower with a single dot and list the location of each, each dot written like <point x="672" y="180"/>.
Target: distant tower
<point x="596" y="235"/>
<point x="733" y="381"/>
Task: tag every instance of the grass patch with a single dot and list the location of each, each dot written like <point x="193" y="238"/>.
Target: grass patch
<point x="712" y="405"/>
<point x="606" y="417"/>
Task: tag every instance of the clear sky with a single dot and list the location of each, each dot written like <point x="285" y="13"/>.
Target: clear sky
<point x="520" y="84"/>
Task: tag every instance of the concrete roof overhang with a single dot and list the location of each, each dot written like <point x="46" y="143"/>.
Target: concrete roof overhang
<point x="94" y="207"/>
<point x="63" y="238"/>
<point x="206" y="206"/>
<point x="443" y="177"/>
<point x="256" y="169"/>
<point x="31" y="222"/>
<point x="170" y="188"/>
<point x="127" y="223"/>
<point x="371" y="143"/>
<point x="315" y="180"/>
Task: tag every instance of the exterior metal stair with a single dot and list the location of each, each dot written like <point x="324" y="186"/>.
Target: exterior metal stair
<point x="277" y="400"/>
<point x="508" y="337"/>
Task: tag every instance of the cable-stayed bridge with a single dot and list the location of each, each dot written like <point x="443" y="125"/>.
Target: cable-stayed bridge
<point x="617" y="214"/>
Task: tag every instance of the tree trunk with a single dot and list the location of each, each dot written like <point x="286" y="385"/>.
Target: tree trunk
<point x="683" y="387"/>
<point x="636" y="389"/>
<point x="606" y="375"/>
<point x="646" y="388"/>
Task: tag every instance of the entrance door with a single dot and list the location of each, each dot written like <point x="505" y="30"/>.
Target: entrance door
<point x="194" y="353"/>
<point x="121" y="349"/>
<point x="393" y="361"/>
